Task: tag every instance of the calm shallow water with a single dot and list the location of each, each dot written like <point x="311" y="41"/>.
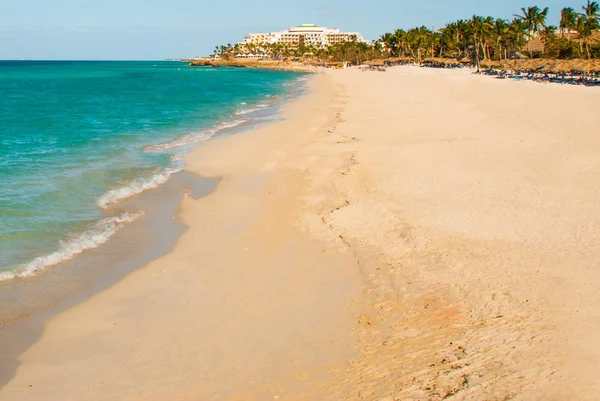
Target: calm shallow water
<point x="78" y="137"/>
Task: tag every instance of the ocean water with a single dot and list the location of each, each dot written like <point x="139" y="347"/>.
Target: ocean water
<point x="78" y="137"/>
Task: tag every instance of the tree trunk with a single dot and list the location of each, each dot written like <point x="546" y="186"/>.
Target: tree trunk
<point x="477" y="55"/>
<point x="587" y="49"/>
<point x="530" y="44"/>
<point x="499" y="48"/>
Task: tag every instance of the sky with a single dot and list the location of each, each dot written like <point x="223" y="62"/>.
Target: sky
<point x="160" y="29"/>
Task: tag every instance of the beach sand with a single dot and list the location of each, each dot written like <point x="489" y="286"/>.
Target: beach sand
<point x="416" y="234"/>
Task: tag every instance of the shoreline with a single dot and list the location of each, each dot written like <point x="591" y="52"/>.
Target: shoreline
<point x="120" y="201"/>
<point x="396" y="236"/>
<point x="57" y="288"/>
<point x="153" y="161"/>
<point x="241" y="63"/>
<point x="70" y="283"/>
<point x="159" y="265"/>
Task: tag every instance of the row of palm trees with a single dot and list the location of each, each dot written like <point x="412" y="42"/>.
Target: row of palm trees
<point x="477" y="38"/>
<point x="495" y="38"/>
<point x="586" y="24"/>
<point x="351" y="51"/>
<point x="275" y="50"/>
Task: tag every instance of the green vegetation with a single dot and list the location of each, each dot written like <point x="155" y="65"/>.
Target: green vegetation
<point x="489" y="38"/>
<point x="476" y="40"/>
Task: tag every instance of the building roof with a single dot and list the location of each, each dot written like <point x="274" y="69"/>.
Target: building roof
<point x="307" y="28"/>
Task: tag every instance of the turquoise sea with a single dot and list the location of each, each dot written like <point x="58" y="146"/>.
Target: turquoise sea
<point x="77" y="137"/>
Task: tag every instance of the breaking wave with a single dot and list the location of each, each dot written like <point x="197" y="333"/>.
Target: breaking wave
<point x="258" y="107"/>
<point x="195" y="137"/>
<point x="89" y="239"/>
<point x="136" y="187"/>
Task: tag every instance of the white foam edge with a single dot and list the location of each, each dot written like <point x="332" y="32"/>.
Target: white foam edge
<point x="136" y="187"/>
<point x="69" y="248"/>
<point x="194" y="138"/>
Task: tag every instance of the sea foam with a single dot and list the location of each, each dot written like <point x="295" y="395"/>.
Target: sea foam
<point x="136" y="187"/>
<point x="89" y="239"/>
<point x="258" y="107"/>
<point x="195" y="137"/>
<point x="142" y="184"/>
<point x="246" y="111"/>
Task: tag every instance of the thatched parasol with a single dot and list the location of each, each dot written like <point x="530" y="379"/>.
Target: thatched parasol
<point x="376" y="62"/>
<point x="441" y="61"/>
<point x="553" y="66"/>
<point x="400" y="60"/>
<point x="490" y="64"/>
<point x="582" y="66"/>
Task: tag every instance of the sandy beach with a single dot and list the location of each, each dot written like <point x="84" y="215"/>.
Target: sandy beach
<point x="417" y="234"/>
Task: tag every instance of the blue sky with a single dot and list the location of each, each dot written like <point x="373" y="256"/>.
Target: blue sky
<point x="158" y="29"/>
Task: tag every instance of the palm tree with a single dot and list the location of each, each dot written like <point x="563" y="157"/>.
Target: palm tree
<point x="548" y="35"/>
<point x="420" y="40"/>
<point x="488" y="36"/>
<point x="463" y="35"/>
<point x="517" y="30"/>
<point x="586" y="27"/>
<point x="387" y="40"/>
<point x="581" y="26"/>
<point x="377" y="49"/>
<point x="394" y="42"/>
<point x="535" y="19"/>
<point x="500" y="31"/>
<point x="448" y="39"/>
<point x="592" y="10"/>
<point x="481" y="29"/>
<point x="568" y="16"/>
<point x="399" y="38"/>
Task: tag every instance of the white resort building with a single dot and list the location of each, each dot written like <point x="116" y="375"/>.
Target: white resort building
<point x="306" y="35"/>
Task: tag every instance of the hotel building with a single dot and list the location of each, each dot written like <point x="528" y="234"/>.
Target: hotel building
<point x="307" y="35"/>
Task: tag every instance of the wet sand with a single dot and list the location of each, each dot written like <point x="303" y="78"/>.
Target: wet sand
<point x="415" y="234"/>
<point x="26" y="303"/>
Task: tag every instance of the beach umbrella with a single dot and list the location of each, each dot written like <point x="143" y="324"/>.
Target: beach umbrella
<point x="466" y="60"/>
<point x="448" y="61"/>
<point x="491" y="64"/>
<point x="376" y="62"/>
<point x="550" y="67"/>
<point x="580" y="66"/>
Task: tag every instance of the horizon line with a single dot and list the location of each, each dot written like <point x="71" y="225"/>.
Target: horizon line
<point x="92" y="59"/>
